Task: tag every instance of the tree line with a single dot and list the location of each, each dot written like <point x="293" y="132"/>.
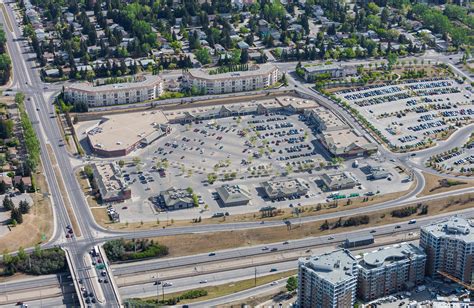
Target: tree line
<point x="5" y="61"/>
<point x="29" y="135"/>
<point x="39" y="262"/>
<point x="135" y="249"/>
<point x="349" y="222"/>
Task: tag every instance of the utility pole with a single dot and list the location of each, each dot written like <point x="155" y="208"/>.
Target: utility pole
<point x="255" y="277"/>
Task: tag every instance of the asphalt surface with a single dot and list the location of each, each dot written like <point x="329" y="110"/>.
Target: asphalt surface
<point x="40" y="108"/>
<point x="26" y="80"/>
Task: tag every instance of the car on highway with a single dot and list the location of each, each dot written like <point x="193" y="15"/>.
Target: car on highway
<point x="397" y="227"/>
<point x="274" y="283"/>
<point x="286" y="243"/>
<point x="203" y="281"/>
<point x="273" y="270"/>
<point x="274" y="249"/>
<point x="373" y="231"/>
<point x="411" y="222"/>
<point x="265" y="248"/>
<point x="167" y="284"/>
<point x="330" y="238"/>
<point x="212" y="254"/>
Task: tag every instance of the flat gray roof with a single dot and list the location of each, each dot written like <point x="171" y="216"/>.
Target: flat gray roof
<point x="452" y="227"/>
<point x="334" y="267"/>
<point x="258" y="69"/>
<point x="234" y="193"/>
<point x="390" y="254"/>
<point x="140" y="82"/>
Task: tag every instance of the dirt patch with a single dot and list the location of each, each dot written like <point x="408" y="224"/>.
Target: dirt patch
<point x="179" y="245"/>
<point x="37" y="226"/>
<point x="436" y="184"/>
<point x="101" y="216"/>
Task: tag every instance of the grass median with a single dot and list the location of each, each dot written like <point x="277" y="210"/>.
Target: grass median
<point x="221" y="290"/>
<point x="190" y="244"/>
<point x="64" y="195"/>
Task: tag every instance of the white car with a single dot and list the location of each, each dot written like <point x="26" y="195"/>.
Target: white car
<point x="274" y="283"/>
<point x="203" y="281"/>
<point x="167" y="284"/>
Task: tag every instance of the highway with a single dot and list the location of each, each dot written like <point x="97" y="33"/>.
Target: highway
<point x="57" y="162"/>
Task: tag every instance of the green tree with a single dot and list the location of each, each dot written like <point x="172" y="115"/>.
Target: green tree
<point x="202" y="55"/>
<point x="24" y="207"/>
<point x="291" y="284"/>
<point x="8" y="203"/>
<point x="16" y="215"/>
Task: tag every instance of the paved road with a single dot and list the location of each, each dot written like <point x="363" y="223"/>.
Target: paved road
<point x="27" y="81"/>
<point x="39" y="108"/>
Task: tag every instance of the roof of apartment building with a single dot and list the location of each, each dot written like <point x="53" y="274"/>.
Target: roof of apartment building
<point x="334" y="267"/>
<point x="319" y="68"/>
<point x="453" y="227"/>
<point x="254" y="70"/>
<point x="120" y="131"/>
<point x="139" y="82"/>
<point x="389" y="255"/>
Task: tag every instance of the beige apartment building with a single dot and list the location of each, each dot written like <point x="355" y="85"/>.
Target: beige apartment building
<point x="327" y="281"/>
<point x="143" y="88"/>
<point x="449" y="246"/>
<point x="389" y="270"/>
<point x="256" y="77"/>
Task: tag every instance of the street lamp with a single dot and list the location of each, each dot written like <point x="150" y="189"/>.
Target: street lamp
<point x="157" y="284"/>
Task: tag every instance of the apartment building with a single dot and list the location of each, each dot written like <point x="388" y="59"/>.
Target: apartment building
<point x="389" y="270"/>
<point x="331" y="70"/>
<point x="449" y="246"/>
<point x="328" y="280"/>
<point x="141" y="89"/>
<point x="256" y="77"/>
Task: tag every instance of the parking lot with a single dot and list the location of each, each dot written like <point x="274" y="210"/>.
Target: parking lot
<point x="246" y="150"/>
<point x="424" y="295"/>
<point x="413" y="114"/>
<point x="456" y="160"/>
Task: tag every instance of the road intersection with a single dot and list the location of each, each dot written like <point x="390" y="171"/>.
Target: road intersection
<point x="57" y="167"/>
